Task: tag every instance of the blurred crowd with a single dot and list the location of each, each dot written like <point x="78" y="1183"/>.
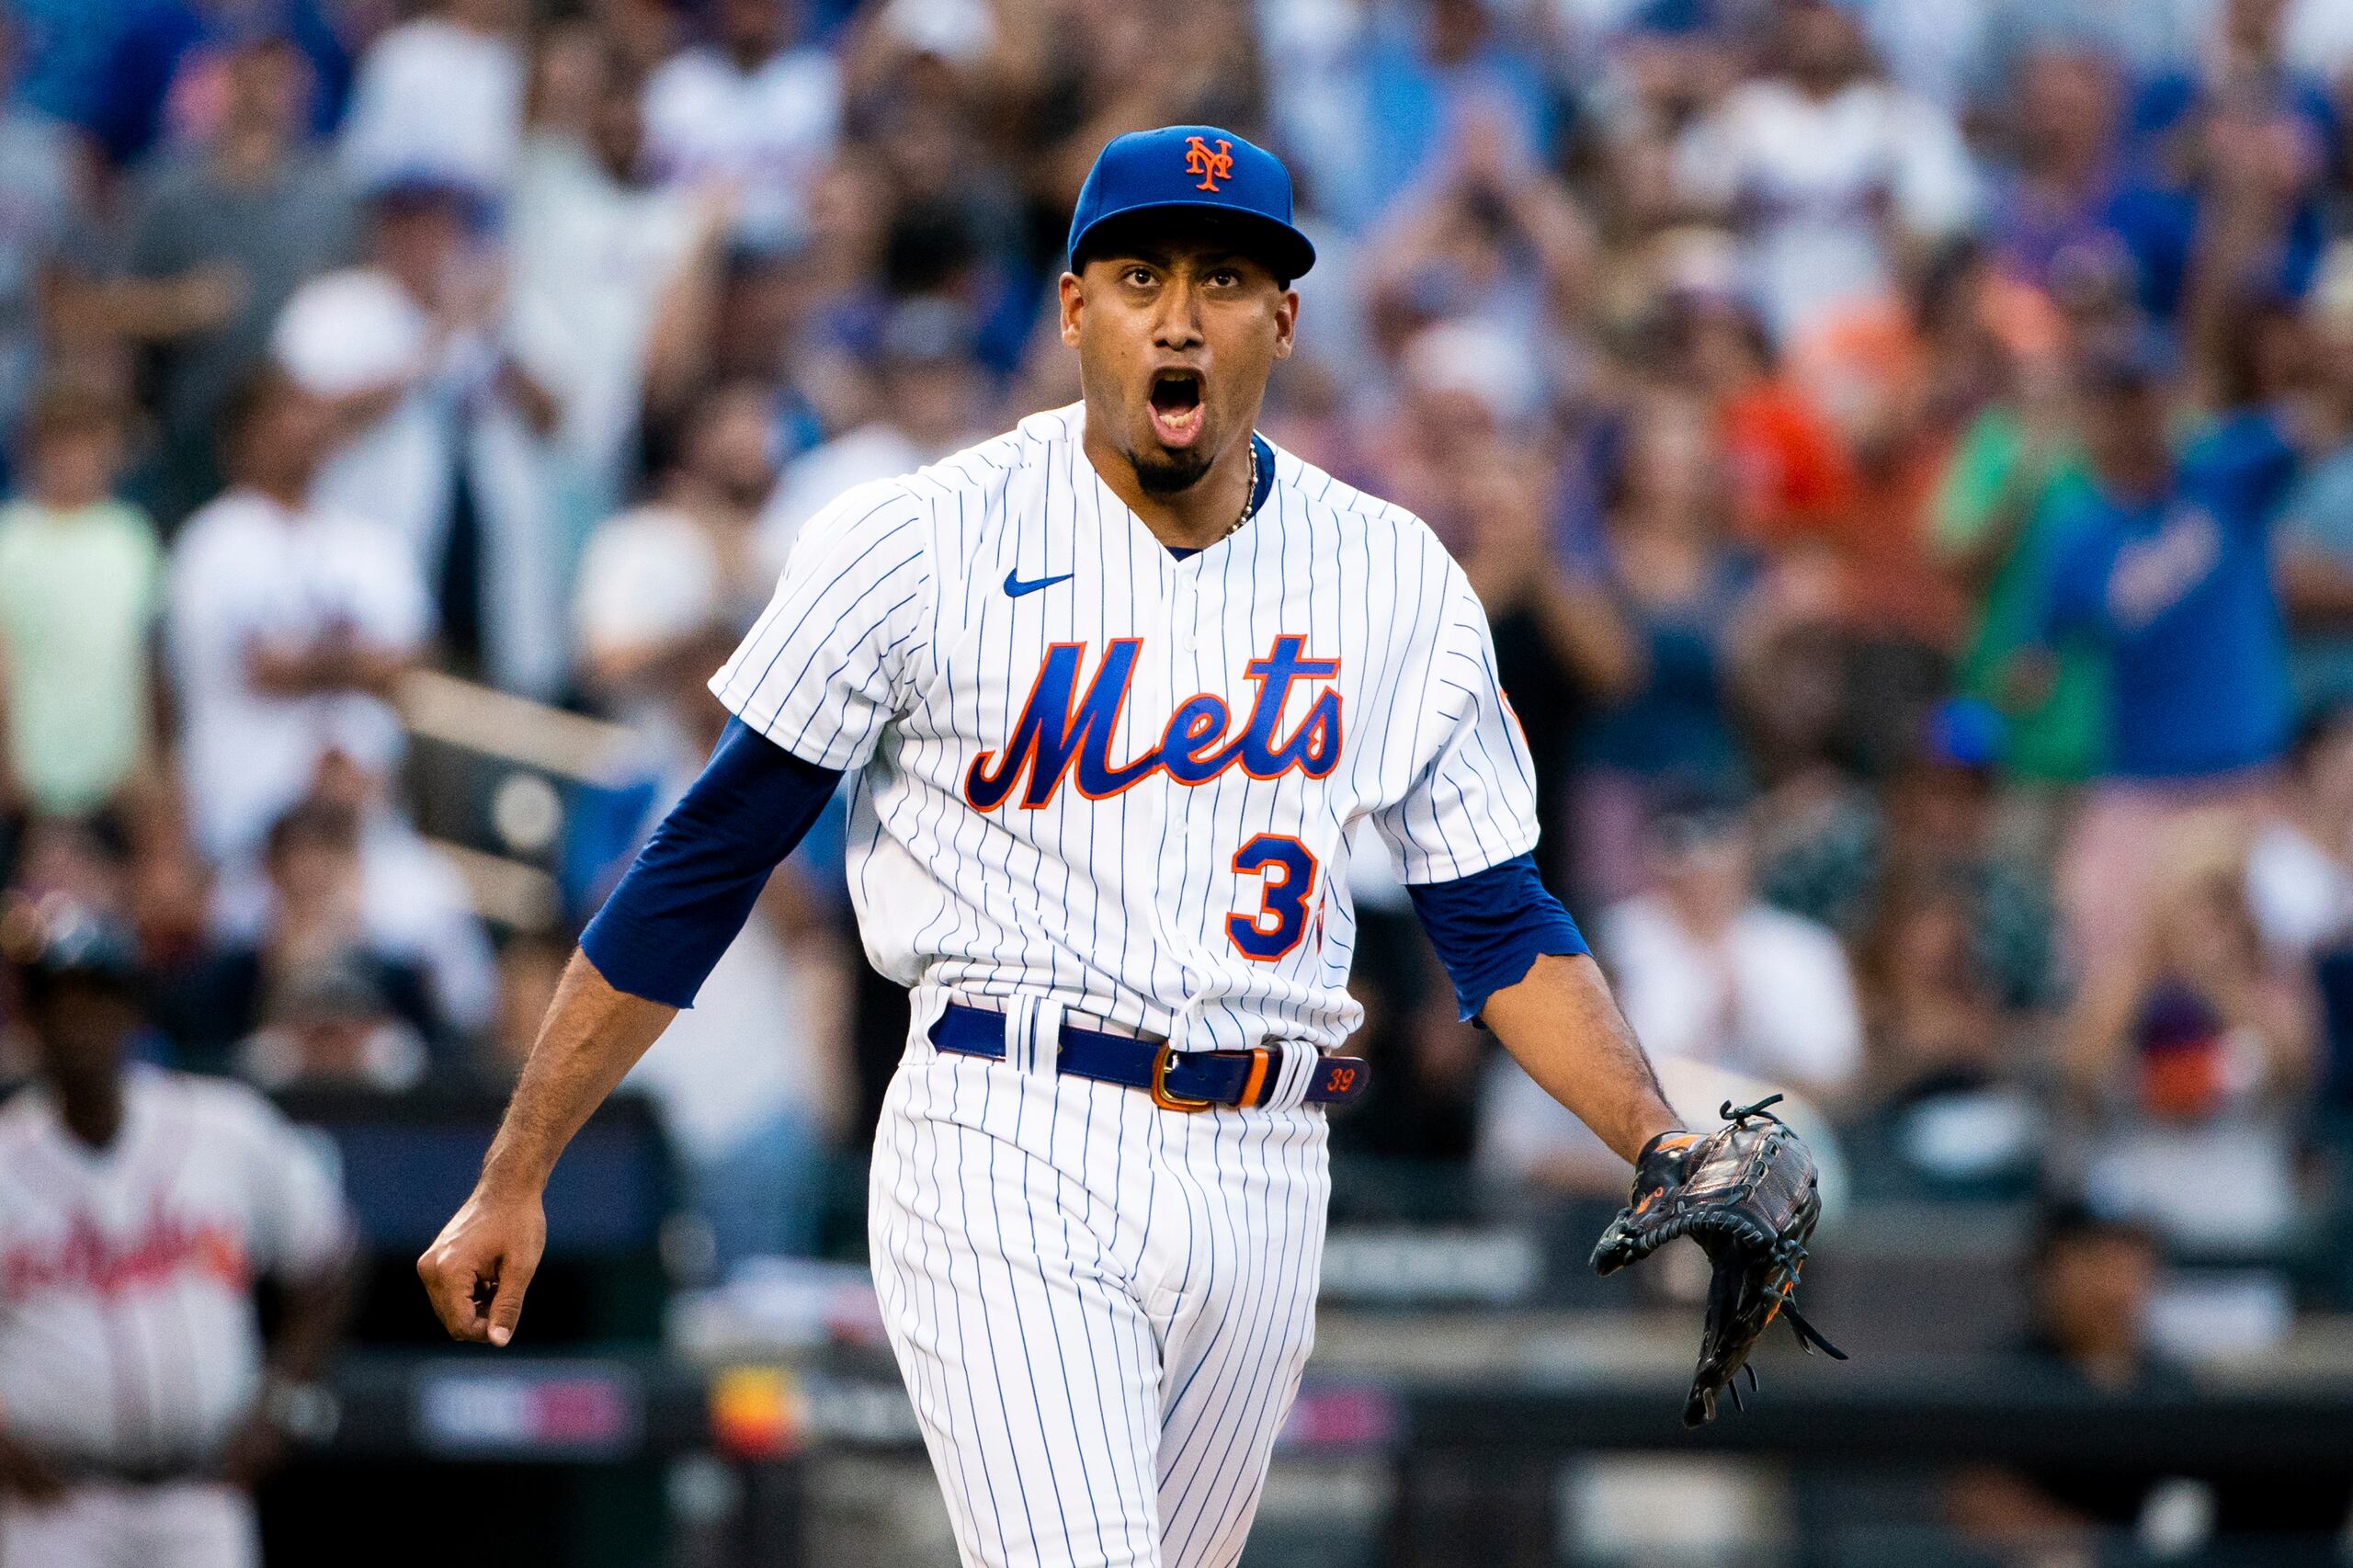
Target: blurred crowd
<point x="1905" y="446"/>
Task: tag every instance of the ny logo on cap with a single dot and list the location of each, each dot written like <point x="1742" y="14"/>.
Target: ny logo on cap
<point x="1211" y="166"/>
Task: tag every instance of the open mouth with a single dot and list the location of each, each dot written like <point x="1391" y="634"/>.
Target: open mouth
<point x="1176" y="406"/>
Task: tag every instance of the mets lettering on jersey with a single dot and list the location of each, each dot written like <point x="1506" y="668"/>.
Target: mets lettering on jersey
<point x="1194" y="748"/>
<point x="1102" y="783"/>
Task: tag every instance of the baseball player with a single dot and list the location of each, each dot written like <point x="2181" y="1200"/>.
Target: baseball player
<point x="136" y="1208"/>
<point x="1117" y="686"/>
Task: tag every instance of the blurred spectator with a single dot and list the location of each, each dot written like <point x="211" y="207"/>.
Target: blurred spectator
<point x="1943" y="828"/>
<point x="2246" y="54"/>
<point x="144" y="1204"/>
<point x="329" y="1023"/>
<point x="1560" y="645"/>
<point x="439" y="429"/>
<point x="2232" y="159"/>
<point x="1930" y="833"/>
<point x="2090" y="1280"/>
<point x="81" y="588"/>
<point x="41" y="196"/>
<point x="84" y="862"/>
<point x="1467" y="388"/>
<point x="1900" y="375"/>
<point x="170" y="65"/>
<point x="439" y="95"/>
<point x="1679" y="586"/>
<point x="930" y="399"/>
<point x="1706" y="972"/>
<point x="2196" y="1049"/>
<point x="667" y="589"/>
<point x="288" y="626"/>
<point x="2315" y="532"/>
<point x="756" y="108"/>
<point x="2018" y="470"/>
<point x="1829" y="173"/>
<point x="2162" y="563"/>
<point x="214" y="239"/>
<point x="2048" y="211"/>
<point x="2300" y="865"/>
<point x="1404" y="85"/>
<point x="316" y="931"/>
<point x="416" y="909"/>
<point x="607" y="271"/>
<point x="1791" y="480"/>
<point x="1489" y="238"/>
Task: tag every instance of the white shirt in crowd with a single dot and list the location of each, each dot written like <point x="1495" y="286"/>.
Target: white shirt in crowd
<point x="653" y="576"/>
<point x="249" y="573"/>
<point x="433" y="98"/>
<point x="729" y="1065"/>
<point x="358" y="330"/>
<point x="1773" y="999"/>
<point x="1813" y="179"/>
<point x="588" y="260"/>
<point x="769" y="131"/>
<point x="127" y="1326"/>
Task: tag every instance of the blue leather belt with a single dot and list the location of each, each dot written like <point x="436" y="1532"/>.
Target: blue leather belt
<point x="1177" y="1080"/>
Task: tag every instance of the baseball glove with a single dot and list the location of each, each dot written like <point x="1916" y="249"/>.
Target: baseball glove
<point x="1746" y="1194"/>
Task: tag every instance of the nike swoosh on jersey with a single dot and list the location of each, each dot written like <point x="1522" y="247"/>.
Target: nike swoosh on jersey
<point x="1014" y="587"/>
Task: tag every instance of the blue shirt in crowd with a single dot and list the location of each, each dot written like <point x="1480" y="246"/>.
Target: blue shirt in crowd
<point x="2178" y="589"/>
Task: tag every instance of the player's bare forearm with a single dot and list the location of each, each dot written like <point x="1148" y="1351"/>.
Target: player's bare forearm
<point x="1563" y="1026"/>
<point x="591" y="1036"/>
<point x="476" y="1270"/>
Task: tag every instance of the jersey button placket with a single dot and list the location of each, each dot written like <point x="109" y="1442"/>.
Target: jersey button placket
<point x="1185" y="609"/>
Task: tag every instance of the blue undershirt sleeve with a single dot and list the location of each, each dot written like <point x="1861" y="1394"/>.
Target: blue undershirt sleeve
<point x="693" y="885"/>
<point x="1490" y="928"/>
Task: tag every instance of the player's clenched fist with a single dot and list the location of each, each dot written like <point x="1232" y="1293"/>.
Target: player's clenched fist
<point x="478" y="1267"/>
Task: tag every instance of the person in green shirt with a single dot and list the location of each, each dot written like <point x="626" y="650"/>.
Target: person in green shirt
<point x="2015" y="470"/>
<point x="80" y="590"/>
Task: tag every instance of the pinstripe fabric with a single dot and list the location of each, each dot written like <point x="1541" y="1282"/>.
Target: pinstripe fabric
<point x="1102" y="1309"/>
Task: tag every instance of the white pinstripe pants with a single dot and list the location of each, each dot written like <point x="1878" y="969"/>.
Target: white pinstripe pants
<point x="1101" y="1308"/>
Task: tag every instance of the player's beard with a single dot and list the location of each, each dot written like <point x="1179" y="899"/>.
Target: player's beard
<point x="1167" y="472"/>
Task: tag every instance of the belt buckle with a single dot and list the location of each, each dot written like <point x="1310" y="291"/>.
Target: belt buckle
<point x="1161" y="1062"/>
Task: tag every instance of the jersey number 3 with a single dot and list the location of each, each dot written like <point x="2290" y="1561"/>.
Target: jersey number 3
<point x="1286" y="887"/>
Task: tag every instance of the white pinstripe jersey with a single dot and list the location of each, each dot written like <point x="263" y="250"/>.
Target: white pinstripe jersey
<point x="1100" y="776"/>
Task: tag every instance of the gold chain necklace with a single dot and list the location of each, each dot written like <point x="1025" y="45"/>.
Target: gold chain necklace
<point x="1249" y="497"/>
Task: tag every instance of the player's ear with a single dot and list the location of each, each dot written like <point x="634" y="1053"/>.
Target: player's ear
<point x="1286" y="322"/>
<point x="1071" y="288"/>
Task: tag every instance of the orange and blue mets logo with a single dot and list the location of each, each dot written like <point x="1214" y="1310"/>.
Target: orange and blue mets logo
<point x="1211" y="166"/>
<point x="1061" y="732"/>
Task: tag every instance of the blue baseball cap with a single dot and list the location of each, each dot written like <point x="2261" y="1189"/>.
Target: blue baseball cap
<point x="1193" y="168"/>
